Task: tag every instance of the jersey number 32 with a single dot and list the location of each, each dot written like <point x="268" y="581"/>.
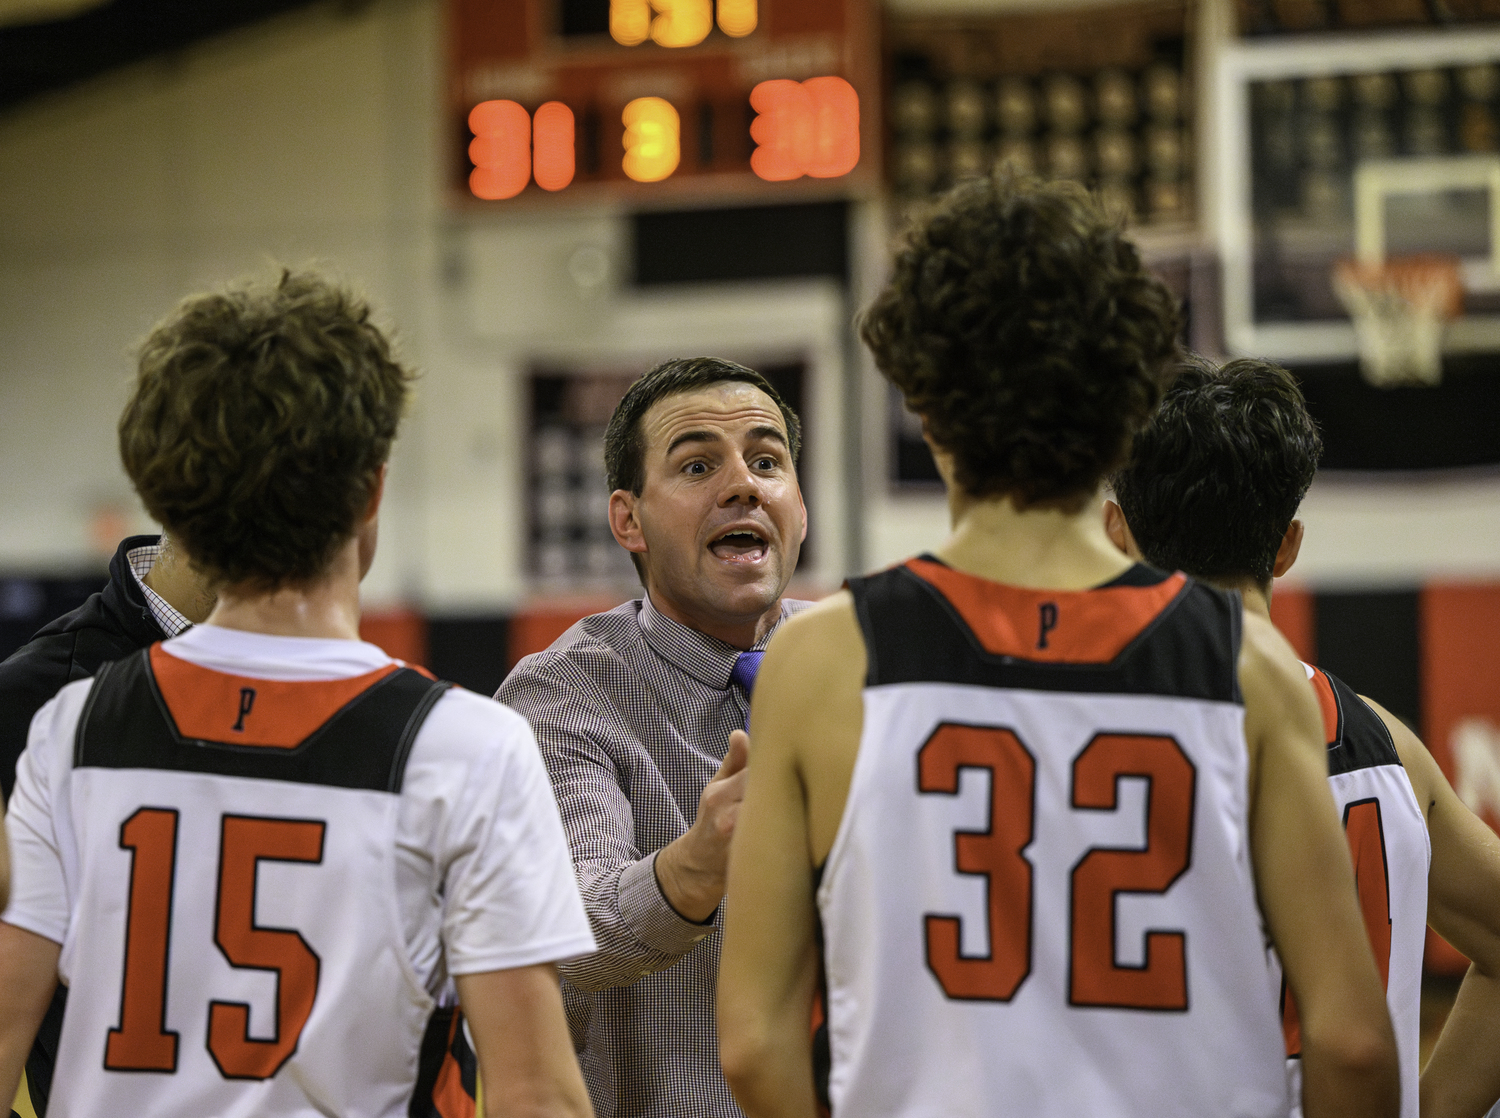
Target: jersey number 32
<point x="1095" y="978"/>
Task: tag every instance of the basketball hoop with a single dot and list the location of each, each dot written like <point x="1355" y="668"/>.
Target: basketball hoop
<point x="1400" y="307"/>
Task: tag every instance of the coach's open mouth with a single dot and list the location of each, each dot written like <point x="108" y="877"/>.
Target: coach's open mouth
<point x="739" y="545"/>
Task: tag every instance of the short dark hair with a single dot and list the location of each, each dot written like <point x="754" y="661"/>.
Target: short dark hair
<point x="1217" y="475"/>
<point x="625" y="446"/>
<point x="1021" y="325"/>
<point x="257" y="424"/>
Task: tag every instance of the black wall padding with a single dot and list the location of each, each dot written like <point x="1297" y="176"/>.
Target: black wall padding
<point x="473" y="652"/>
<point x="1455" y="424"/>
<point x="1370" y="641"/>
<point x="745" y="243"/>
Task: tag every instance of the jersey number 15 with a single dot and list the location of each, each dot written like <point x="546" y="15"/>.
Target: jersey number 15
<point x="142" y="1041"/>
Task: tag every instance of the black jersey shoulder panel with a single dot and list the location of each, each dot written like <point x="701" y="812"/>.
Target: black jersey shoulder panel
<point x="914" y="635"/>
<point x="1363" y="741"/>
<point x="125" y="724"/>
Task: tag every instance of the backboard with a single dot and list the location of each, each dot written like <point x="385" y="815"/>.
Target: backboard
<point x="1362" y="146"/>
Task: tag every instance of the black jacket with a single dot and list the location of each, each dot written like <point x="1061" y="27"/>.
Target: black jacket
<point x="112" y="623"/>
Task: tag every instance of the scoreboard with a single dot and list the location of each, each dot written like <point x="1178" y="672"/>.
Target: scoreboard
<point x="574" y="98"/>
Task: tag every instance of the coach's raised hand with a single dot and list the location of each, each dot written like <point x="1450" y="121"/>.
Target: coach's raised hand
<point x="692" y="869"/>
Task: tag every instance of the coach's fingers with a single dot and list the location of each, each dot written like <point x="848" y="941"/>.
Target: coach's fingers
<point x="737" y="756"/>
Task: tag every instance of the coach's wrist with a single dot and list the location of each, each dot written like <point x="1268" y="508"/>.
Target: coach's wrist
<point x="691" y="888"/>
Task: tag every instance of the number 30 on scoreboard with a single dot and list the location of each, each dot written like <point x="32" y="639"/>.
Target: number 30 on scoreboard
<point x="800" y="128"/>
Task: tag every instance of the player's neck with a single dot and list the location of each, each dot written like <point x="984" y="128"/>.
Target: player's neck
<point x="1257" y="597"/>
<point x="1043" y="548"/>
<point x="327" y="607"/>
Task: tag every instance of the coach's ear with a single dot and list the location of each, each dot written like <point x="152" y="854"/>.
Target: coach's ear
<point x="1119" y="531"/>
<point x="1286" y="553"/>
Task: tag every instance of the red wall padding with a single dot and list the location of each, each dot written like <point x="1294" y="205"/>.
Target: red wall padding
<point x="401" y="633"/>
<point x="1294" y="612"/>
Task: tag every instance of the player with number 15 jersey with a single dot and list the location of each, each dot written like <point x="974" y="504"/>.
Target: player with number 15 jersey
<point x="248" y="832"/>
<point x="266" y="858"/>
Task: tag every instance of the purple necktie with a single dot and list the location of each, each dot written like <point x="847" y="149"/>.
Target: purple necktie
<point x="742" y="675"/>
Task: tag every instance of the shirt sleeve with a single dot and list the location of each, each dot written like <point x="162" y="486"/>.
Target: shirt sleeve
<point x="39" y="899"/>
<point x="639" y="932"/>
<point x="509" y="896"/>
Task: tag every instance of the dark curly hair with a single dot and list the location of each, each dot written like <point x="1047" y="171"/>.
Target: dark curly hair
<point x="1020" y="324"/>
<point x="257" y="424"/>
<point x="1216" y="476"/>
<point x="625" y="447"/>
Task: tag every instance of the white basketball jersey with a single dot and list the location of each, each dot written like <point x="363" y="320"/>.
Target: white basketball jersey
<point x="1039" y="901"/>
<point x="1392" y="853"/>
<point x="237" y="949"/>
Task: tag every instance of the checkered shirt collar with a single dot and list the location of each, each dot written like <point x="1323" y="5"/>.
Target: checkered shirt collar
<point x="141" y="560"/>
<point x="707" y="659"/>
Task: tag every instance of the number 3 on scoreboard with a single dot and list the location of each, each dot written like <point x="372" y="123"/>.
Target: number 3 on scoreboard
<point x="142" y="1042"/>
<point x="997" y="854"/>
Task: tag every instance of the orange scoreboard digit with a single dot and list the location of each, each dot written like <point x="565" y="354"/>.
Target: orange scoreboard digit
<point x="574" y="98"/>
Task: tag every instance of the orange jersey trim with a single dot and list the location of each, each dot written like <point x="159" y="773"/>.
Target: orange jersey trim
<point x="213" y="706"/>
<point x="1050" y="626"/>
<point x="449" y="1099"/>
<point x="1328" y="704"/>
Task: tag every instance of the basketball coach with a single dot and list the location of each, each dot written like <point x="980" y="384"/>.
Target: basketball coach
<point x="640" y="715"/>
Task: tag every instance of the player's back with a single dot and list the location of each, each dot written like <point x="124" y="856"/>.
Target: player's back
<point x="1392" y="853"/>
<point x="1040" y="898"/>
<point x="236" y="946"/>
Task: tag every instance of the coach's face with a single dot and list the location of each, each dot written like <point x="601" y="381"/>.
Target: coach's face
<point x="719" y="521"/>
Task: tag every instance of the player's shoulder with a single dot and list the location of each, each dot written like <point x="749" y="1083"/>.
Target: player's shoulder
<point x="1385" y="729"/>
<point x="467" y="741"/>
<point x="820" y="620"/>
<point x="1364" y="707"/>
<point x="53" y="729"/>
<point x="467" y="721"/>
<point x="821" y="642"/>
<point x="1273" y="681"/>
<point x="63" y="710"/>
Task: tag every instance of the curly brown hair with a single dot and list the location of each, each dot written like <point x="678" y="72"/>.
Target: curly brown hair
<point x="1020" y="324"/>
<point x="258" y="423"/>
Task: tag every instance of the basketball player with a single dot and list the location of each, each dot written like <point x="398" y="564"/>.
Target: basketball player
<point x="1033" y="790"/>
<point x="262" y="853"/>
<point x="1213" y="488"/>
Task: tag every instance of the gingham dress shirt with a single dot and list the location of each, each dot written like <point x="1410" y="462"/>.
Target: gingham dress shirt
<point x="141" y="560"/>
<point x="633" y="713"/>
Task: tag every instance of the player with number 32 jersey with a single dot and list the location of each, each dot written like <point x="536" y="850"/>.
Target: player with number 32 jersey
<point x="1072" y="867"/>
<point x="1043" y="809"/>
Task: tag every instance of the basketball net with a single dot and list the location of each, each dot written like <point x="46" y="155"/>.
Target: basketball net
<point x="1400" y="307"/>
